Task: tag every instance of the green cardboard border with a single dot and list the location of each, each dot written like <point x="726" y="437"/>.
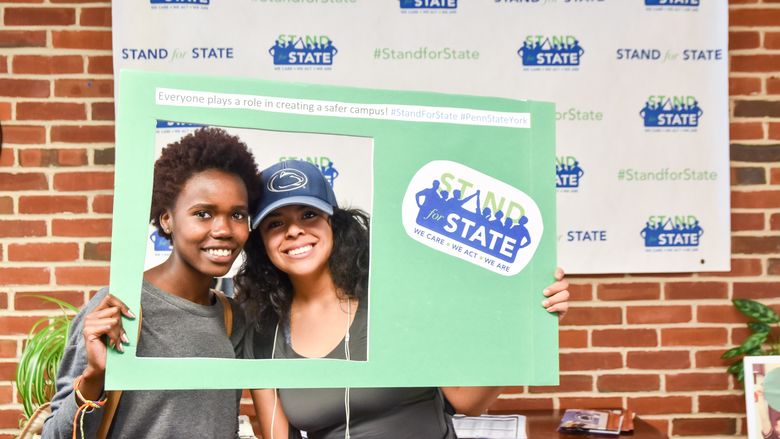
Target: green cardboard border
<point x="464" y="326"/>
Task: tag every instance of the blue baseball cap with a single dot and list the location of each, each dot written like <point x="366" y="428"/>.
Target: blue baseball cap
<point x="293" y="182"/>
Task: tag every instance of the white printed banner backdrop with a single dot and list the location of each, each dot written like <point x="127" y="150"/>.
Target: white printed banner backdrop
<point x="640" y="88"/>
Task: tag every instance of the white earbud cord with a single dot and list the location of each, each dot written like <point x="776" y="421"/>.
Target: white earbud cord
<point x="346" y="356"/>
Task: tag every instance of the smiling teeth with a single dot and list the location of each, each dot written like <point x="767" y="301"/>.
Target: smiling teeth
<point x="218" y="252"/>
<point x="299" y="250"/>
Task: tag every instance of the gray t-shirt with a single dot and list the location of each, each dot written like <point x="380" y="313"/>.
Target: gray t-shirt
<point x="171" y="327"/>
<point x="392" y="413"/>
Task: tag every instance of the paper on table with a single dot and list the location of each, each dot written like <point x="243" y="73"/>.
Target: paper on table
<point x="490" y="427"/>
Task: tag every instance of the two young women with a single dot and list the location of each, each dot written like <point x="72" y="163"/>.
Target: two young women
<point x="305" y="277"/>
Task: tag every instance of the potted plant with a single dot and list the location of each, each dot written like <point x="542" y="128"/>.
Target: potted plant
<point x="37" y="370"/>
<point x="761" y="341"/>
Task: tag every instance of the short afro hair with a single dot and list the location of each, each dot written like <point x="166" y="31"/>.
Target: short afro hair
<point x="205" y="149"/>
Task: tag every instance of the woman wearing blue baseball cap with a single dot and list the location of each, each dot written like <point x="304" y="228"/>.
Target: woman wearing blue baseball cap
<point x="306" y="280"/>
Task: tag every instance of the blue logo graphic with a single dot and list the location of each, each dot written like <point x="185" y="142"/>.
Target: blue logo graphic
<point x="492" y="234"/>
<point x="330" y="173"/>
<point x="429" y="4"/>
<point x="172" y="124"/>
<point x="677" y="231"/>
<point x="161" y="243"/>
<point x="289" y="50"/>
<point x="568" y="173"/>
<point x="555" y="51"/>
<point x="672" y="2"/>
<point x="671" y="112"/>
<point x="179" y="2"/>
<point x="285" y="180"/>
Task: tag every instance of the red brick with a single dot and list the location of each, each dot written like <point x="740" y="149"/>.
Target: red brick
<point x="754" y="17"/>
<point x="772" y="40"/>
<point x="744" y="40"/>
<point x="101" y="65"/>
<point x="83" y="134"/>
<point x="710" y="358"/>
<point x="656" y="405"/>
<point x="7" y="157"/>
<point x="568" y="383"/>
<point x="755" y="199"/>
<point x="686" y="382"/>
<point x="746" y="131"/>
<point x="83" y="181"/>
<point x="661" y="425"/>
<point x="37" y="157"/>
<point x="719" y="314"/>
<point x="744" y="86"/>
<point x="693" y="336"/>
<point x="580" y="292"/>
<point x="71" y="157"/>
<point x="756" y="290"/>
<point x="696" y="290"/>
<point x="8" y="371"/>
<point x="572" y="339"/>
<point x="515" y="405"/>
<point x="754" y="63"/>
<point x="658" y="314"/>
<point x="590" y="361"/>
<point x="24" y="88"/>
<point x="9" y="417"/>
<point x="773" y="266"/>
<point x="28" y="301"/>
<point x="772" y="85"/>
<point x="6" y="205"/>
<point x="722" y="404"/>
<point x="95" y="17"/>
<point x="591" y="403"/>
<point x="81" y="227"/>
<point x="592" y="316"/>
<point x="755" y="244"/>
<point x="81" y="275"/>
<point x="747" y="221"/>
<point x="741" y="267"/>
<point x="23" y="276"/>
<point x="625" y="337"/>
<point x="629" y="291"/>
<point x="44" y="252"/>
<point x="774" y="173"/>
<point x="21" y="229"/>
<point x="50" y="111"/>
<point x="103" y="204"/>
<point x="628" y="383"/>
<point x="84" y="88"/>
<point x="23" y="134"/>
<point x="81" y="39"/>
<point x="23" y="181"/>
<point x="103" y="111"/>
<point x="8" y="348"/>
<point x="48" y="65"/>
<point x="5" y="107"/>
<point x="97" y="251"/>
<point x="22" y="38"/>
<point x="658" y="360"/>
<point x="52" y="204"/>
<point x="39" y="16"/>
<point x="704" y="426"/>
<point x="16" y="325"/>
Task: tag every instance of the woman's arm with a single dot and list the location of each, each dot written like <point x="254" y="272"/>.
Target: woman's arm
<point x="473" y="401"/>
<point x="263" y="399"/>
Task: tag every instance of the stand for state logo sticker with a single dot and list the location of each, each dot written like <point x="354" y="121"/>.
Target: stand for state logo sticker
<point x="464" y="213"/>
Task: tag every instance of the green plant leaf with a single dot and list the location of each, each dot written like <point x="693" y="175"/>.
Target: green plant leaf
<point x="753" y="341"/>
<point x="756" y="310"/>
<point x="735" y="368"/>
<point x="759" y="327"/>
<point x="731" y="353"/>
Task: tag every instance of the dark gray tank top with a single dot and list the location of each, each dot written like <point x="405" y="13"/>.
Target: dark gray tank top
<point x="397" y="413"/>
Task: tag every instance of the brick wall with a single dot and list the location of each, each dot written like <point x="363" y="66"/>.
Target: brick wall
<point x="650" y="342"/>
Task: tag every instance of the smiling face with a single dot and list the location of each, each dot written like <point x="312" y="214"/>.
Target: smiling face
<point x="209" y="223"/>
<point x="298" y="240"/>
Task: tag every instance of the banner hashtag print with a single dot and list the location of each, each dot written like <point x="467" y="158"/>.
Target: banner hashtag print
<point x="621" y="174"/>
<point x="377" y="53"/>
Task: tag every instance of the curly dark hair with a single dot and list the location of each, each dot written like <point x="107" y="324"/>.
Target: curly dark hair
<point x="266" y="292"/>
<point x="207" y="148"/>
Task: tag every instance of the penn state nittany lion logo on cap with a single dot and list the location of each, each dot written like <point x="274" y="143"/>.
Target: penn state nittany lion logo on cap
<point x="286" y="180"/>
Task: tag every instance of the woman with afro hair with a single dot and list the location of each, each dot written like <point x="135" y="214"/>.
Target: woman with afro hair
<point x="205" y="185"/>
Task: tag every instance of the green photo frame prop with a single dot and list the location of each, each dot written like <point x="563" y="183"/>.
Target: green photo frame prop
<point x="441" y="313"/>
